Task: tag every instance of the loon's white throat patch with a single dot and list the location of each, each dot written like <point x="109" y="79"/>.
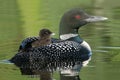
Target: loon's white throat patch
<point x="67" y="36"/>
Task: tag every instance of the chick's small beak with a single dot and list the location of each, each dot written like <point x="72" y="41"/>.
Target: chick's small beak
<point x="95" y="19"/>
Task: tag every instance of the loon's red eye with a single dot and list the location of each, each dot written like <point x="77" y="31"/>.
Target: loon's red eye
<point x="77" y="16"/>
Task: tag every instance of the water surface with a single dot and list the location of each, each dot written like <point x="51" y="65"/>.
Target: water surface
<point x="103" y="37"/>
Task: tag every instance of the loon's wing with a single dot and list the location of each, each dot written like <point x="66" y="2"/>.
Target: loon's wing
<point x="50" y="57"/>
<point x="26" y="43"/>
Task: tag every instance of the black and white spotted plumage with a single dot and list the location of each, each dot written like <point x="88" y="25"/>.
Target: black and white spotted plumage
<point x="51" y="57"/>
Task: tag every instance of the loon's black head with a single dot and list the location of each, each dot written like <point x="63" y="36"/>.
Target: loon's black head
<point x="72" y="20"/>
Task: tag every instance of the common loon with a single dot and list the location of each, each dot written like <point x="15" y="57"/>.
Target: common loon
<point x="61" y="54"/>
<point x="69" y="25"/>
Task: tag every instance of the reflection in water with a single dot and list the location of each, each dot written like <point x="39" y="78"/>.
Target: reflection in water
<point x="102" y="51"/>
<point x="108" y="47"/>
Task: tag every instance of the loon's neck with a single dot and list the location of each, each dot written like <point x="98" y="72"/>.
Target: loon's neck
<point x="71" y="37"/>
<point x="67" y="32"/>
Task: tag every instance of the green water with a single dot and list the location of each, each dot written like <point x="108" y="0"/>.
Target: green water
<point x="23" y="18"/>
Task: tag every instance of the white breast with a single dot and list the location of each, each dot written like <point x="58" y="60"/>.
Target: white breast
<point x="85" y="44"/>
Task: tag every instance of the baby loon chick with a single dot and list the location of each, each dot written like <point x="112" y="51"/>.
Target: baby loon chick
<point x="43" y="39"/>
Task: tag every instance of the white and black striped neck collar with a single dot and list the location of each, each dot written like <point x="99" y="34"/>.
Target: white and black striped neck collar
<point x="67" y="36"/>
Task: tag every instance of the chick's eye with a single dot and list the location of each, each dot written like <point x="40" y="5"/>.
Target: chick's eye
<point x="77" y="16"/>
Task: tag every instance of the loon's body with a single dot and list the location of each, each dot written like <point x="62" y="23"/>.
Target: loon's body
<point x="65" y="53"/>
<point x="56" y="55"/>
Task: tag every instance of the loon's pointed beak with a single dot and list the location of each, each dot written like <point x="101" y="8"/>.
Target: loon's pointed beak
<point x="95" y="19"/>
